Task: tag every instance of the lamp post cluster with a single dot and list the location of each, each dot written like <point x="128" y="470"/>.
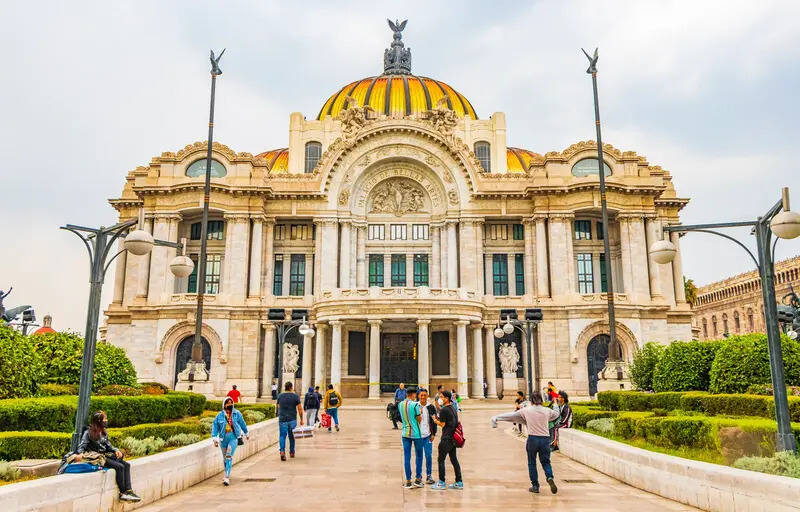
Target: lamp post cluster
<point x="532" y="318"/>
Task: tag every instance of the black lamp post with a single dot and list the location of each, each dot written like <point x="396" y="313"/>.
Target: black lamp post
<point x="532" y="318"/>
<point x="283" y="327"/>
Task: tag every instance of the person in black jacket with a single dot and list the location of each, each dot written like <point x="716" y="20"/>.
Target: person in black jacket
<point x="428" y="428"/>
<point x="95" y="439"/>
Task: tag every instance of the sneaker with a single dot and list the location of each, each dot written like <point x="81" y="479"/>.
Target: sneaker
<point x="226" y="481"/>
<point x="283" y="456"/>
<point x="128" y="497"/>
<point x="459" y="486"/>
<point x="534" y="488"/>
<point x="131" y="493"/>
<point x="418" y="483"/>
<point x="439" y="486"/>
<point x="291" y="454"/>
<point x="429" y="481"/>
<point x="337" y="428"/>
<point x="408" y="485"/>
<point x="329" y="429"/>
<point x="552" y="485"/>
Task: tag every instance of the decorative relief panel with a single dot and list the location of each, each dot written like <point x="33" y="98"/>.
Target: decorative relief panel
<point x="397" y="196"/>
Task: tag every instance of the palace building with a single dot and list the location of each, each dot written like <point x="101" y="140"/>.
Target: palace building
<point x="402" y="222"/>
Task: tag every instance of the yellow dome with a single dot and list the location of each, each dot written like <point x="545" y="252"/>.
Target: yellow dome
<point x="519" y="160"/>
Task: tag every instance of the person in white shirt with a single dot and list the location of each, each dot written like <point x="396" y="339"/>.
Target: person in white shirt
<point x="428" y="428"/>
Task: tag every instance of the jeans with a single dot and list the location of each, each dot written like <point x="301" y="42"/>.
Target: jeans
<point x="447" y="447"/>
<point x="285" y="428"/>
<point x="538" y="445"/>
<point x="427" y="447"/>
<point x="122" y="471"/>
<point x="228" y="446"/>
<point x="418" y="445"/>
<point x="334" y="414"/>
<point x="311" y="415"/>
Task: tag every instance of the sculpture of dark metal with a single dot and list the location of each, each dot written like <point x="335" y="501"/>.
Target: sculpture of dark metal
<point x="789" y="311"/>
<point x="3" y="296"/>
<point x="10" y="314"/>
<point x="397" y="59"/>
<point x="215" y="70"/>
<point x="592" y="61"/>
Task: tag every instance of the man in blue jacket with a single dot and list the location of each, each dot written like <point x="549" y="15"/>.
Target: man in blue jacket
<point x="226" y="430"/>
<point x="399" y="396"/>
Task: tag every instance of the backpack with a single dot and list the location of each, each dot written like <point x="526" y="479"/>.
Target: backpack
<point x="333" y="399"/>
<point x="311" y="401"/>
<point x="458" y="436"/>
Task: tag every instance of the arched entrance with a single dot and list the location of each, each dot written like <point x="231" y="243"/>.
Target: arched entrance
<point x="596" y="356"/>
<point x="184" y="353"/>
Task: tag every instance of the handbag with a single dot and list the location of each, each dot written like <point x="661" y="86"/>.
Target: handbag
<point x="458" y="436"/>
<point x="240" y="441"/>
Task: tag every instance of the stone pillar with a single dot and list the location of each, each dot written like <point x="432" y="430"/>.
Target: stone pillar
<point x="361" y="256"/>
<point x="328" y="254"/>
<point x="336" y="354"/>
<point x="481" y="279"/>
<point x="317" y="257"/>
<point x="387" y="270"/>
<point x="169" y="283"/>
<point x="528" y="226"/>
<point x="627" y="261"/>
<point x="452" y="255"/>
<point x="309" y="275"/>
<point x="677" y="271"/>
<point x="344" y="255"/>
<point x="640" y="285"/>
<point x="268" y="258"/>
<point x="461" y="357"/>
<point x="542" y="261"/>
<point x="512" y="275"/>
<point x="443" y="279"/>
<point x="436" y="254"/>
<point x="159" y="261"/>
<point x="466" y="252"/>
<point x="491" y="369"/>
<point x="477" y="361"/>
<point x="561" y="255"/>
<point x="144" y="264"/>
<point x="306" y="382"/>
<point x="269" y="357"/>
<point x="319" y="357"/>
<point x="374" y="358"/>
<point x="119" y="273"/>
<point x="423" y="362"/>
<point x="235" y="259"/>
<point x="409" y="270"/>
<point x="256" y="252"/>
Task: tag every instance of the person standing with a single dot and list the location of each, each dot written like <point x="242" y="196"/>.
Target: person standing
<point x="517" y="406"/>
<point x="428" y="430"/>
<point x="228" y="427"/>
<point x="448" y="420"/>
<point x="311" y="406"/>
<point x="320" y="398"/>
<point x="333" y="400"/>
<point x="411" y="416"/>
<point x="564" y="419"/>
<point x="235" y="394"/>
<point x="274" y="390"/>
<point x="437" y="399"/>
<point x="289" y="408"/>
<point x="536" y="418"/>
<point x="399" y="396"/>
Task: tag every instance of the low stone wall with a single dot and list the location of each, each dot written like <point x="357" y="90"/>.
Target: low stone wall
<point x="699" y="484"/>
<point x="153" y="477"/>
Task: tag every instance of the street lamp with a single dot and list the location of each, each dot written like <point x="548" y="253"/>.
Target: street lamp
<point x="532" y="318"/>
<point x="784" y="223"/>
<point x="98" y="242"/>
<point x="283" y="327"/>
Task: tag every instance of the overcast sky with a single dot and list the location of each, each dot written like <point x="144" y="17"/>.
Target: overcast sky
<point x="707" y="90"/>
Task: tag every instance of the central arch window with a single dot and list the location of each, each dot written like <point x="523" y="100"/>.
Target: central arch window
<point x="588" y="167"/>
<point x="313" y="154"/>
<point x="198" y="169"/>
<point x="482" y="151"/>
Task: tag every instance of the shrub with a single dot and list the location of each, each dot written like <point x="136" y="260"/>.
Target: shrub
<point x="162" y="430"/>
<point x="582" y="415"/>
<point x="197" y="401"/>
<point x="766" y="389"/>
<point x="782" y="463"/>
<point x="267" y="409"/>
<point x="142" y="447"/>
<point x="685" y="366"/>
<point x="604" y="425"/>
<point x="253" y="416"/>
<point x="206" y="424"/>
<point x="8" y="472"/>
<point x="54" y="414"/>
<point x="119" y="390"/>
<point x="153" y="388"/>
<point x="183" y="439"/>
<point x="21" y="370"/>
<point x="743" y="361"/>
<point x="644" y="364"/>
<point x="33" y="445"/>
<point x="58" y="389"/>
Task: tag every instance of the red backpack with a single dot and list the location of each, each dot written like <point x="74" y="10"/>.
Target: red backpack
<point x="458" y="436"/>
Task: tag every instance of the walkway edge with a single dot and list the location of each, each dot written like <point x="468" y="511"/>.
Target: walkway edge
<point x="154" y="477"/>
<point x="699" y="484"/>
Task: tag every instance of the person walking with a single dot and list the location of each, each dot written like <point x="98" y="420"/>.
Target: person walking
<point x="235" y="394"/>
<point x="95" y="439"/>
<point x="320" y="398"/>
<point x="411" y="416"/>
<point x="564" y="419"/>
<point x="311" y="406"/>
<point x="333" y="400"/>
<point x="536" y="418"/>
<point x="448" y="420"/>
<point x="428" y="430"/>
<point x="289" y="408"/>
<point x="399" y="396"/>
<point x="274" y="390"/>
<point x="226" y="431"/>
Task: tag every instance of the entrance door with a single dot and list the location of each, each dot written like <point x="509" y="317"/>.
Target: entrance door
<point x="596" y="355"/>
<point x="184" y="354"/>
<point x="398" y="360"/>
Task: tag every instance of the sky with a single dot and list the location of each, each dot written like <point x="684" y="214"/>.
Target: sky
<point x="90" y="90"/>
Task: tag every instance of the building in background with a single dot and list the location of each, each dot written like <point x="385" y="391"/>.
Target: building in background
<point x="735" y="305"/>
<point x="402" y="221"/>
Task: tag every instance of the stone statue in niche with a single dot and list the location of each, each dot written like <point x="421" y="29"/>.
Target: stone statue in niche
<point x="291" y="358"/>
<point x="397" y="196"/>
<point x="509" y="357"/>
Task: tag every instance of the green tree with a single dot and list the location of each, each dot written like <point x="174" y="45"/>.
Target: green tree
<point x="690" y="289"/>
<point x="21" y="370"/>
<point x="644" y="364"/>
<point x="744" y="360"/>
<point x="685" y="366"/>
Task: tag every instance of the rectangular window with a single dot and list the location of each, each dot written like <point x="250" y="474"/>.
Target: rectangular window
<point x="297" y="274"/>
<point x="376" y="269"/>
<point x="583" y="230"/>
<point x="213" y="267"/>
<point x="357" y="353"/>
<point x="603" y="278"/>
<point x="599" y="230"/>
<point x="376" y="232"/>
<point x="440" y="348"/>
<point x="398" y="269"/>
<point x="397" y="231"/>
<point x="277" y="282"/>
<point x="585" y="276"/>
<point x="519" y="273"/>
<point x="300" y="232"/>
<point x="195" y="231"/>
<point x="280" y="232"/>
<point x="497" y="232"/>
<point x="419" y="232"/>
<point x="519" y="231"/>
<point x="420" y="270"/>
<point x="500" y="274"/>
<point x="191" y="286"/>
<point x="215" y="229"/>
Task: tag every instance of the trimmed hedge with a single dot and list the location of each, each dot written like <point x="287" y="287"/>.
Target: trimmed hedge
<point x="58" y="389"/>
<point x="639" y="401"/>
<point x="267" y="409"/>
<point x="644" y="364"/>
<point x="684" y="366"/>
<point x="119" y="390"/>
<point x="197" y="402"/>
<point x="582" y="415"/>
<point x="162" y="430"/>
<point x="742" y="361"/>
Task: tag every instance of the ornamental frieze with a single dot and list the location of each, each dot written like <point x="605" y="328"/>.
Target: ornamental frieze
<point x="404" y="194"/>
<point x="398" y="196"/>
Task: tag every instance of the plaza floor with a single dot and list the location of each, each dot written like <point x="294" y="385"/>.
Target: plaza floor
<point x="360" y="469"/>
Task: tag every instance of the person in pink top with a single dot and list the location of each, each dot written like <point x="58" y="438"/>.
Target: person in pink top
<point x="536" y="417"/>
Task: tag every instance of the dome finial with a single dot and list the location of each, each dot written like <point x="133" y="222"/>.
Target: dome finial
<point x="397" y="59"/>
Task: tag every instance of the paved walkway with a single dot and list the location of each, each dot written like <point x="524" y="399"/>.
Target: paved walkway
<point x="360" y="469"/>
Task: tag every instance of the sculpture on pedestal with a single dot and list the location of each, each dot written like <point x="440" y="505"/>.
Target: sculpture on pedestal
<point x="509" y="357"/>
<point x="291" y="358"/>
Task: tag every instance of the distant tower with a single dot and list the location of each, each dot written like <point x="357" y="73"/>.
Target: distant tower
<point x="46" y="328"/>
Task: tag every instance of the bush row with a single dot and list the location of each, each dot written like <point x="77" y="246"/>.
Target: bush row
<point x="267" y="409"/>
<point x="582" y="415"/>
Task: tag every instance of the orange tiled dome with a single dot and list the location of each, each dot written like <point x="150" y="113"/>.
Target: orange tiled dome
<point x="277" y="159"/>
<point x="518" y="160"/>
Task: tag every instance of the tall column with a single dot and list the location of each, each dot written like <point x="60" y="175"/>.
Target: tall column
<point x="625" y="249"/>
<point x="410" y="270"/>
<point x="328" y="256"/>
<point x="491" y="369"/>
<point x="269" y="357"/>
<point x="336" y="354"/>
<point x="528" y="226"/>
<point x="344" y="255"/>
<point x="169" y="281"/>
<point x="119" y="272"/>
<point x="235" y="260"/>
<point x="477" y="361"/>
<point x="423" y="362"/>
<point x="319" y="357"/>
<point x="542" y="262"/>
<point x="560" y="255"/>
<point x="309" y="275"/>
<point x="158" y="261"/>
<point x="387" y="270"/>
<point x="317" y="257"/>
<point x="443" y="278"/>
<point x="677" y="271"/>
<point x="452" y="255"/>
<point x="481" y="280"/>
<point x="512" y="274"/>
<point x="268" y="258"/>
<point x="256" y="252"/>
<point x="466" y="253"/>
<point x="461" y="357"/>
<point x="639" y="258"/>
<point x="374" y="358"/>
<point x="306" y="382"/>
<point x="144" y="264"/>
<point x="436" y="255"/>
<point x="361" y="256"/>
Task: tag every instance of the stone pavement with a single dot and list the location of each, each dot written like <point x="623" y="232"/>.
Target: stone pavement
<point x="360" y="469"/>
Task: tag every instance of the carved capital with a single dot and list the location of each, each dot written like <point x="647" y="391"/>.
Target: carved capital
<point x="462" y="322"/>
<point x="236" y="217"/>
<point x="375" y="322"/>
<point x="423" y="321"/>
<point x="326" y="221"/>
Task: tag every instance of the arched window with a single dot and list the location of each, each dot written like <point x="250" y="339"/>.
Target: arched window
<point x="313" y="154"/>
<point x="714" y="325"/>
<point x="198" y="169"/>
<point x="736" y="324"/>
<point x="750" y="325"/>
<point x="725" y="324"/>
<point x="482" y="151"/>
<point x="705" y="329"/>
<point x="588" y="167"/>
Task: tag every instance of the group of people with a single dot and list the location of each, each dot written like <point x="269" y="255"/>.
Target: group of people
<point x="290" y="409"/>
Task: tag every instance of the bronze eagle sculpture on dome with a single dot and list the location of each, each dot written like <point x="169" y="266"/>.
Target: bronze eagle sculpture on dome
<point x="397" y="27"/>
<point x="397" y="58"/>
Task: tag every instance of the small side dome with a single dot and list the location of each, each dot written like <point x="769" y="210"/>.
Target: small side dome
<point x="277" y="159"/>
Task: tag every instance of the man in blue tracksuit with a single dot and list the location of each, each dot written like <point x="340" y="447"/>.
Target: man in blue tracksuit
<point x="399" y="396"/>
<point x="226" y="430"/>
